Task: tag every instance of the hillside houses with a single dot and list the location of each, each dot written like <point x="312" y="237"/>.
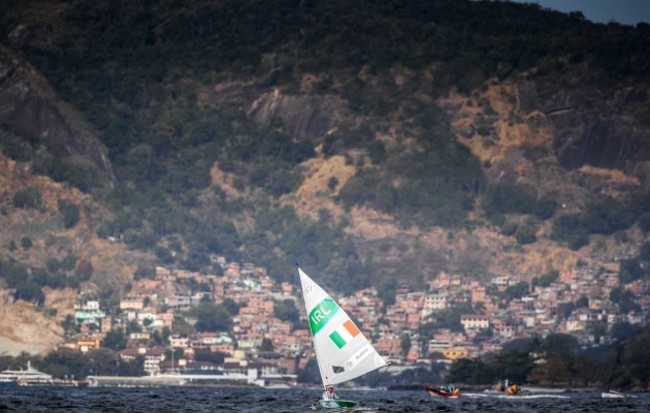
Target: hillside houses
<point x="574" y="302"/>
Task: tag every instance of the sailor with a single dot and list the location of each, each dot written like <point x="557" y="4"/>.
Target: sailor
<point x="329" y="394"/>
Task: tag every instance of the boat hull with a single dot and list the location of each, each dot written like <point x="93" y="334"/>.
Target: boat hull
<point x="338" y="404"/>
<point x="436" y="392"/>
<point x="613" y="394"/>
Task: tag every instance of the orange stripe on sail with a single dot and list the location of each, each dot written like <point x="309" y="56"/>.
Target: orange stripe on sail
<point x="352" y="329"/>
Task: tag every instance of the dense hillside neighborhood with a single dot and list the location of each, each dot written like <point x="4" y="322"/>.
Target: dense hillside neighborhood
<point x="264" y="331"/>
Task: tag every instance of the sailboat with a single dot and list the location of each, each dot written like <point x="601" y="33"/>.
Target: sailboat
<point x="613" y="394"/>
<point x="342" y="351"/>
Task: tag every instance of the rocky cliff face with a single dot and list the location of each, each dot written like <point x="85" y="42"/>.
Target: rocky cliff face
<point x="30" y="108"/>
<point x="304" y="117"/>
<point x="598" y="129"/>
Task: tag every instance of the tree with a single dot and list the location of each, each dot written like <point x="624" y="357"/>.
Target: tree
<point x="26" y="243"/>
<point x="516" y="291"/>
<point x="468" y="371"/>
<point x="29" y="291"/>
<point x="560" y="346"/>
<point x="209" y="356"/>
<point x="514" y="365"/>
<point x="231" y="306"/>
<point x="546" y="279"/>
<point x="637" y="358"/>
<point x="286" y="310"/>
<point x="28" y="198"/>
<point x="387" y="290"/>
<point x="332" y="183"/>
<point x="630" y="271"/>
<point x="84" y="270"/>
<point x="115" y="340"/>
<point x="70" y="325"/>
<point x="585" y="370"/>
<point x="266" y="345"/>
<point x="644" y="222"/>
<point x="70" y="213"/>
<point x="623" y="331"/>
<point x="570" y="229"/>
<point x="405" y="343"/>
<point x="210" y="317"/>
<point x="526" y="234"/>
<point x="63" y="362"/>
<point x="376" y="151"/>
<point x="144" y="270"/>
<point x="551" y="372"/>
<point x="644" y="255"/>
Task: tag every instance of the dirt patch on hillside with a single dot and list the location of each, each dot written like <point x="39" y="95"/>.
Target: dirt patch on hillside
<point x="25" y="328"/>
<point x="323" y="180"/>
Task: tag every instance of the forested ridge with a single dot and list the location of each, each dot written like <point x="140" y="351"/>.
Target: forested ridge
<point x="167" y="87"/>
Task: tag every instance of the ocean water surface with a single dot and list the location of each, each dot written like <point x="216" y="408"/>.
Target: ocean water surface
<point x="244" y="399"/>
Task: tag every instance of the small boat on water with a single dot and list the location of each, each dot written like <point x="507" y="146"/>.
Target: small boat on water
<point x="613" y="394"/>
<point x="441" y="392"/>
<point x="507" y="388"/>
<point x="342" y="351"/>
<point x="29" y="377"/>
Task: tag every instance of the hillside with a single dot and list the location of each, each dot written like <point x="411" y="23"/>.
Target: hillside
<point x="370" y="141"/>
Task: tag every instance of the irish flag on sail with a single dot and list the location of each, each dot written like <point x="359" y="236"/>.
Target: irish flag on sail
<point x="346" y="332"/>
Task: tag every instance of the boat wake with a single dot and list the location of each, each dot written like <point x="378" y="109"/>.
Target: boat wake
<point x="515" y="397"/>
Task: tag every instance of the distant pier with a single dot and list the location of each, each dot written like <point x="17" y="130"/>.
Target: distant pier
<point x="177" y="379"/>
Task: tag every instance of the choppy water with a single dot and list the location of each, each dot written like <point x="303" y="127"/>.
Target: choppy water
<point x="227" y="399"/>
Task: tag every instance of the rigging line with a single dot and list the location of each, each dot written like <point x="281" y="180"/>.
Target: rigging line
<point x="380" y="375"/>
<point x="618" y="361"/>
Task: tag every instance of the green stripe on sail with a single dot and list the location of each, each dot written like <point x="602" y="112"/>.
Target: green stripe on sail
<point x="337" y="339"/>
<point x="321" y="314"/>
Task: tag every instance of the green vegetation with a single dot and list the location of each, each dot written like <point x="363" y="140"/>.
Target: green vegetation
<point x="28" y="284"/>
<point x="447" y="318"/>
<point x="17" y="277"/>
<point x="211" y="317"/>
<point x="546" y="279"/>
<point x="78" y="171"/>
<point x="437" y="184"/>
<point x="286" y="310"/>
<point x="28" y="198"/>
<point x="605" y="216"/>
<point x="70" y="212"/>
<point x="144" y="77"/>
<point x="515" y="291"/>
<point x="511" y="199"/>
<point x="558" y="360"/>
<point x="65" y="363"/>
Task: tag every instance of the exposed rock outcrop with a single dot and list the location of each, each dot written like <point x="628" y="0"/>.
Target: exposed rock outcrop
<point x="31" y="108"/>
<point x="526" y="95"/>
<point x="304" y="117"/>
<point x="597" y="132"/>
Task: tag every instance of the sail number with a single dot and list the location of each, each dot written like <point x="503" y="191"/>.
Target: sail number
<point x="321" y="314"/>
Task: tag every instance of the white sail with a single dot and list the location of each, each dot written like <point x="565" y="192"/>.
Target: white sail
<point x="342" y="351"/>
